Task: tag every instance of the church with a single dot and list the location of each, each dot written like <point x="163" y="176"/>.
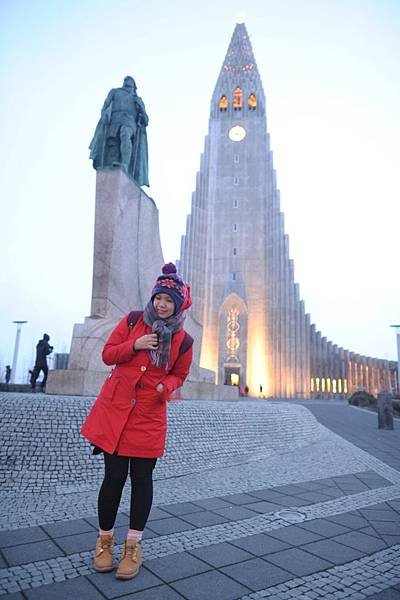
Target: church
<point x="235" y="253"/>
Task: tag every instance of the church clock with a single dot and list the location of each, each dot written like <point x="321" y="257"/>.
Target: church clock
<point x="237" y="133"/>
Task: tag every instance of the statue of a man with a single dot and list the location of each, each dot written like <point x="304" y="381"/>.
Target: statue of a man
<point x="120" y="139"/>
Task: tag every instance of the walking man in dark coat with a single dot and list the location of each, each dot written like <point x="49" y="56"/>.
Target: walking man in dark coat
<point x="43" y="348"/>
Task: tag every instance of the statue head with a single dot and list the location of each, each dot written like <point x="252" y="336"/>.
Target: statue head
<point x="129" y="83"/>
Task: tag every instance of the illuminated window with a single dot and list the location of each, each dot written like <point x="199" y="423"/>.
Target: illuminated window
<point x="232" y="335"/>
<point x="339" y="381"/>
<point x="322" y="384"/>
<point x="235" y="227"/>
<point x="223" y="103"/>
<point x="312" y="384"/>
<point x="317" y="383"/>
<point x="328" y="384"/>
<point x="252" y="101"/>
<point x="236" y="158"/>
<point x="345" y="386"/>
<point x="234" y="379"/>
<point x="237" y="99"/>
<point x="234" y="251"/>
<point x="334" y="388"/>
<point x="236" y="181"/>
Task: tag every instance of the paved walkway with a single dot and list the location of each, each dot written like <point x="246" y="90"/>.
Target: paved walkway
<point x="319" y="521"/>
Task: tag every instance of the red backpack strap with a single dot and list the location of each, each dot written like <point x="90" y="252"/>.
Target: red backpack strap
<point x="133" y="318"/>
<point x="187" y="343"/>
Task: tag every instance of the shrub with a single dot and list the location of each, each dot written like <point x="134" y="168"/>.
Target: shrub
<point x="362" y="398"/>
<point x="396" y="407"/>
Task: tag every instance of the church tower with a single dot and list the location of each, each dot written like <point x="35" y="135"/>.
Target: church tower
<point x="235" y="252"/>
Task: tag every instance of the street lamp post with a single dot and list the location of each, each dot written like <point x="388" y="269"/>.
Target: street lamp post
<point x="397" y="329"/>
<point x="16" y="348"/>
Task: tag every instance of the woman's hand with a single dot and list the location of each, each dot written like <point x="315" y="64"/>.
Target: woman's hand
<point x="160" y="388"/>
<point x="146" y="342"/>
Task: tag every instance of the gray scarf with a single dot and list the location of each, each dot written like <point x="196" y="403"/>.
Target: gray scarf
<point x="164" y="328"/>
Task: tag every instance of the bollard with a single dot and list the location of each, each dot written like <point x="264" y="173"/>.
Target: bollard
<point x="385" y="410"/>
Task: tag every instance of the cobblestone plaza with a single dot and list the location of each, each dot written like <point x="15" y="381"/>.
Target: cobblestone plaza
<point x="254" y="499"/>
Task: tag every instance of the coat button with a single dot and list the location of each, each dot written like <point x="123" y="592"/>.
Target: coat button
<point x="133" y="401"/>
<point x="143" y="368"/>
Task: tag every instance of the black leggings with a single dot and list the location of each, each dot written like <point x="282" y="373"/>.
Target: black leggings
<point x="35" y="374"/>
<point x="116" y="472"/>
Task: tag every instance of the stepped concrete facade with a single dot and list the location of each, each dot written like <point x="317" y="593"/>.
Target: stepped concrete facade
<point x="235" y="253"/>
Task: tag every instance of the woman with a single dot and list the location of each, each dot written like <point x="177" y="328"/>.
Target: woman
<point x="152" y="355"/>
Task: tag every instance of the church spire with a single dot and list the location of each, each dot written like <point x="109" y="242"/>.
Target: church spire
<point x="239" y="57"/>
<point x="238" y="73"/>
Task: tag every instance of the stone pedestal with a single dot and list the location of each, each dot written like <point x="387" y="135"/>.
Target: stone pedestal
<point x="385" y="410"/>
<point x="127" y="260"/>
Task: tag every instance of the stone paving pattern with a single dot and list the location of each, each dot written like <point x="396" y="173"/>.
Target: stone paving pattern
<point x="268" y="500"/>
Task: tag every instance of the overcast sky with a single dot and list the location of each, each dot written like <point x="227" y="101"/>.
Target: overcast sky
<point x="330" y="71"/>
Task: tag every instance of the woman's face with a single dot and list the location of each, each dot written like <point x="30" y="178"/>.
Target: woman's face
<point x="164" y="305"/>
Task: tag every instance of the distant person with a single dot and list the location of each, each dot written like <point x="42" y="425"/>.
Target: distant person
<point x="8" y="374"/>
<point x="43" y="349"/>
<point x="246" y="390"/>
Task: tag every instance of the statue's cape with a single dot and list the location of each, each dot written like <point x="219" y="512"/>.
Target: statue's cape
<point x="138" y="168"/>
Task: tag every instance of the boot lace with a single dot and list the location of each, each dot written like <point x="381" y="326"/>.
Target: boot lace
<point x="131" y="551"/>
<point x="105" y="544"/>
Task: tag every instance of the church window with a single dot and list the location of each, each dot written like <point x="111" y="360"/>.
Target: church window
<point x="236" y="181"/>
<point x="237" y="99"/>
<point x="234" y="276"/>
<point x="345" y="386"/>
<point x="339" y="386"/>
<point x="312" y="384"/>
<point x="322" y="384"/>
<point x="223" y="103"/>
<point x="236" y="158"/>
<point x="334" y="387"/>
<point x="234" y="251"/>
<point x="232" y="335"/>
<point x="252" y="101"/>
<point x="235" y="227"/>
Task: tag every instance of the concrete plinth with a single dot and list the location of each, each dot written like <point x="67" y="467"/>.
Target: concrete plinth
<point x="87" y="383"/>
<point x="127" y="260"/>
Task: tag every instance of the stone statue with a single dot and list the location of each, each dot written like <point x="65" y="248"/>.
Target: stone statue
<point x="120" y="139"/>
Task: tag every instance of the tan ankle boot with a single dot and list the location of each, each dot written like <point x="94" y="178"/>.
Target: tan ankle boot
<point x="103" y="560"/>
<point x="131" y="560"/>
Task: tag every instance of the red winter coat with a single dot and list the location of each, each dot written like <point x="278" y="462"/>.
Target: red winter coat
<point x="129" y="416"/>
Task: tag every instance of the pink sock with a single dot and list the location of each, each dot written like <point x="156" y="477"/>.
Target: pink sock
<point x="134" y="534"/>
<point x="103" y="532"/>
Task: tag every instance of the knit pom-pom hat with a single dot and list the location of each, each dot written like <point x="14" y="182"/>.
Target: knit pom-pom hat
<point x="172" y="284"/>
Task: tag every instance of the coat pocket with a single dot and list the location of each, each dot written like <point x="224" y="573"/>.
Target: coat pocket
<point x="117" y="390"/>
<point x="109" y="388"/>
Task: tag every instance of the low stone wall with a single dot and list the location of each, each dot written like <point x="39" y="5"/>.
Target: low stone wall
<point x="41" y="449"/>
<point x="88" y="383"/>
